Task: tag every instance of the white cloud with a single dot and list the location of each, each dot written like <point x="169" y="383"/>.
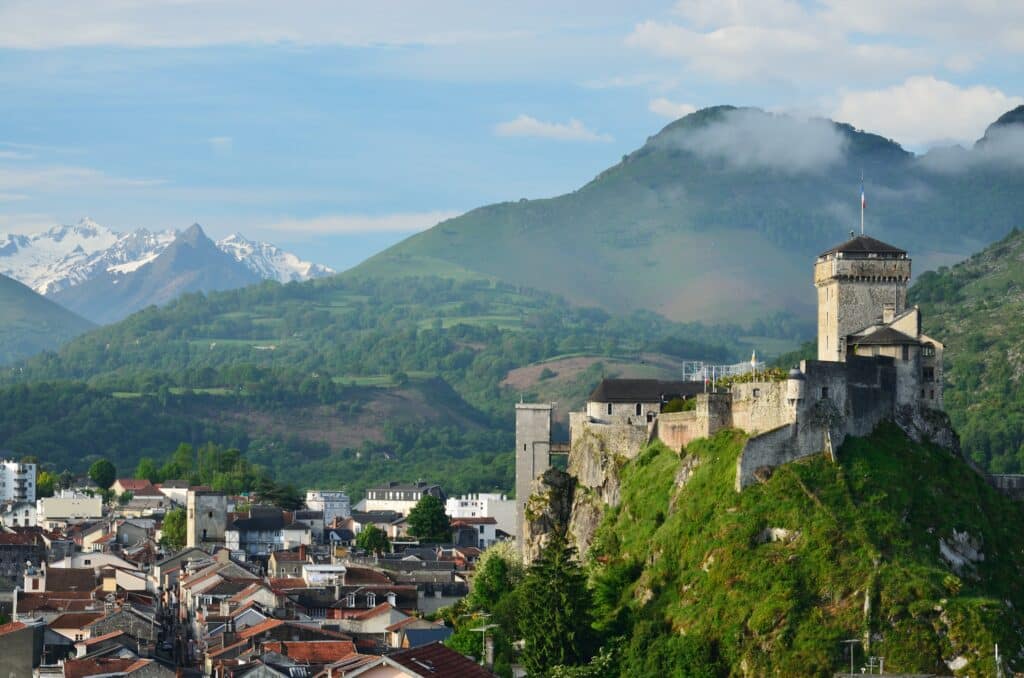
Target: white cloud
<point x="670" y="109"/>
<point x="527" y="126"/>
<point x="27" y="24"/>
<point x="61" y="178"/>
<point x="403" y="222"/>
<point x="752" y="138"/>
<point x="741" y="52"/>
<point x="220" y="144"/>
<point x="924" y="110"/>
<point x="14" y="155"/>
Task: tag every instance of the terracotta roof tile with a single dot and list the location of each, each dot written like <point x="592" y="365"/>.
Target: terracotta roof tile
<point x="80" y="668"/>
<point x="313" y="651"/>
<point x="70" y="579"/>
<point x="288" y="583"/>
<point x="104" y="637"/>
<point x="133" y="484"/>
<point x="10" y="627"/>
<point x="74" y="620"/>
<point x="259" y="628"/>
<point x="373" y="612"/>
<point x="438" y="661"/>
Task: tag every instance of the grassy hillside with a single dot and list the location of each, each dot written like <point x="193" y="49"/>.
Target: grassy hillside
<point x="30" y="323"/>
<point x="719" y="217"/>
<point x="976" y="308"/>
<point x="771" y="580"/>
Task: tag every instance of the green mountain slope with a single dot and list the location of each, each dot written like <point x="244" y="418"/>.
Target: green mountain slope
<point x="976" y="308"/>
<point x="30" y="323"/>
<point x="280" y="371"/>
<point x="770" y="581"/>
<point x="717" y="216"/>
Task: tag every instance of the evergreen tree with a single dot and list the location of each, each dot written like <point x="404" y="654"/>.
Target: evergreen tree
<point x="428" y="522"/>
<point x="554" y="610"/>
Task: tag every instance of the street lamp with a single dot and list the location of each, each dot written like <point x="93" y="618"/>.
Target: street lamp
<point x="483" y="641"/>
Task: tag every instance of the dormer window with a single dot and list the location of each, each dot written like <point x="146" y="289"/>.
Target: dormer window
<point x="371" y="600"/>
<point x="350" y="600"/>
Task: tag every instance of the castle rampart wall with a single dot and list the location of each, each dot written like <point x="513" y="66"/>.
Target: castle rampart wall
<point x="625" y="440"/>
<point x="760" y="406"/>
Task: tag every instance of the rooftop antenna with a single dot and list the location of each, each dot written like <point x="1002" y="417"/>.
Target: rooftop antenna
<point x="863" y="202"/>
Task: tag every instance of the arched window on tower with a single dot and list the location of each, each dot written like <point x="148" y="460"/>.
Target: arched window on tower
<point x="639" y="409"/>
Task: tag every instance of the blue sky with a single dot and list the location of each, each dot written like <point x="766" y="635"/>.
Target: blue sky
<point x="338" y="128"/>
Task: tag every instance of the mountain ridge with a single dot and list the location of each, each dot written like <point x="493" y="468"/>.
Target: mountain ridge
<point x="714" y="217"/>
<point x="30" y="323"/>
<point x="67" y="255"/>
<point x="191" y="263"/>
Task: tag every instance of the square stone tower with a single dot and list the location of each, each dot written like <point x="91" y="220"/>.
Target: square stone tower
<point x="860" y="283"/>
<point x="206" y="518"/>
<point x="533" y="450"/>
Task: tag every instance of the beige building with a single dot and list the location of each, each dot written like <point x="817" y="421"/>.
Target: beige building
<point x="67" y="507"/>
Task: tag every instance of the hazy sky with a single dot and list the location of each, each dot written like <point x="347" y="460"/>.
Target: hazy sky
<point x="336" y="128"/>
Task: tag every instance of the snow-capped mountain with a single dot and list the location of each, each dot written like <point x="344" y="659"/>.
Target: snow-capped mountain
<point x="270" y="262"/>
<point x="65" y="256"/>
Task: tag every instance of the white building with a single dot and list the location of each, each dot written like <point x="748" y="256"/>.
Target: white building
<point x="67" y="507"/>
<point x="496" y="506"/>
<point x="18" y="514"/>
<point x="17" y="481"/>
<point x="399" y="497"/>
<point x="333" y="503"/>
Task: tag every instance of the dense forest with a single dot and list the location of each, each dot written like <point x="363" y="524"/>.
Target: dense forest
<point x="334" y="381"/>
<point x="975" y="308"/>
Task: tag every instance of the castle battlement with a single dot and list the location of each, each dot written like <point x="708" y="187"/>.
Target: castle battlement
<point x="874" y="364"/>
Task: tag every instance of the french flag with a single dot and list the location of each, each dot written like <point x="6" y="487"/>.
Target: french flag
<point x="863" y="198"/>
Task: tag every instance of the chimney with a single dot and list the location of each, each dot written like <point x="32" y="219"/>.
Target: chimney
<point x="888" y="313"/>
<point x="229" y="633"/>
<point x="302" y="552"/>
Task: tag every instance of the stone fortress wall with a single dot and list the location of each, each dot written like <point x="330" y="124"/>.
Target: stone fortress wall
<point x="890" y="372"/>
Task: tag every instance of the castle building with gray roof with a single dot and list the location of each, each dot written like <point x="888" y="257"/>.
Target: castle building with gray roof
<point x="873" y="364"/>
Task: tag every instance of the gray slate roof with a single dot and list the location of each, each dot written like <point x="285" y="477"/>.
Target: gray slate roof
<point x="863" y="245"/>
<point x="643" y="390"/>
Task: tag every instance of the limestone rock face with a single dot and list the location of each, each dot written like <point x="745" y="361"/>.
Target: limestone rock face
<point x="548" y="510"/>
<point x="594" y="460"/>
<point x="922" y="425"/>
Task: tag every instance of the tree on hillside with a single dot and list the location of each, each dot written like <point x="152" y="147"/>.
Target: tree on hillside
<point x="103" y="473"/>
<point x="554" y="610"/>
<point x="428" y="522"/>
<point x="498" y="571"/>
<point x="173" y="532"/>
<point x="147" y="470"/>
<point x="373" y="540"/>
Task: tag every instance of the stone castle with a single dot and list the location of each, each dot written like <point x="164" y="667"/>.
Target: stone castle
<point x="874" y="364"/>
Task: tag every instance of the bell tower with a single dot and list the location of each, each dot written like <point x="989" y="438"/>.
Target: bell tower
<point x="860" y="283"/>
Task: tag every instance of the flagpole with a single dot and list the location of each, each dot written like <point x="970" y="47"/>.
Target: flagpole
<point x="862" y="202"/>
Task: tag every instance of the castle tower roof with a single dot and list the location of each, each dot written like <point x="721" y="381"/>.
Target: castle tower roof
<point x="865" y="246"/>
